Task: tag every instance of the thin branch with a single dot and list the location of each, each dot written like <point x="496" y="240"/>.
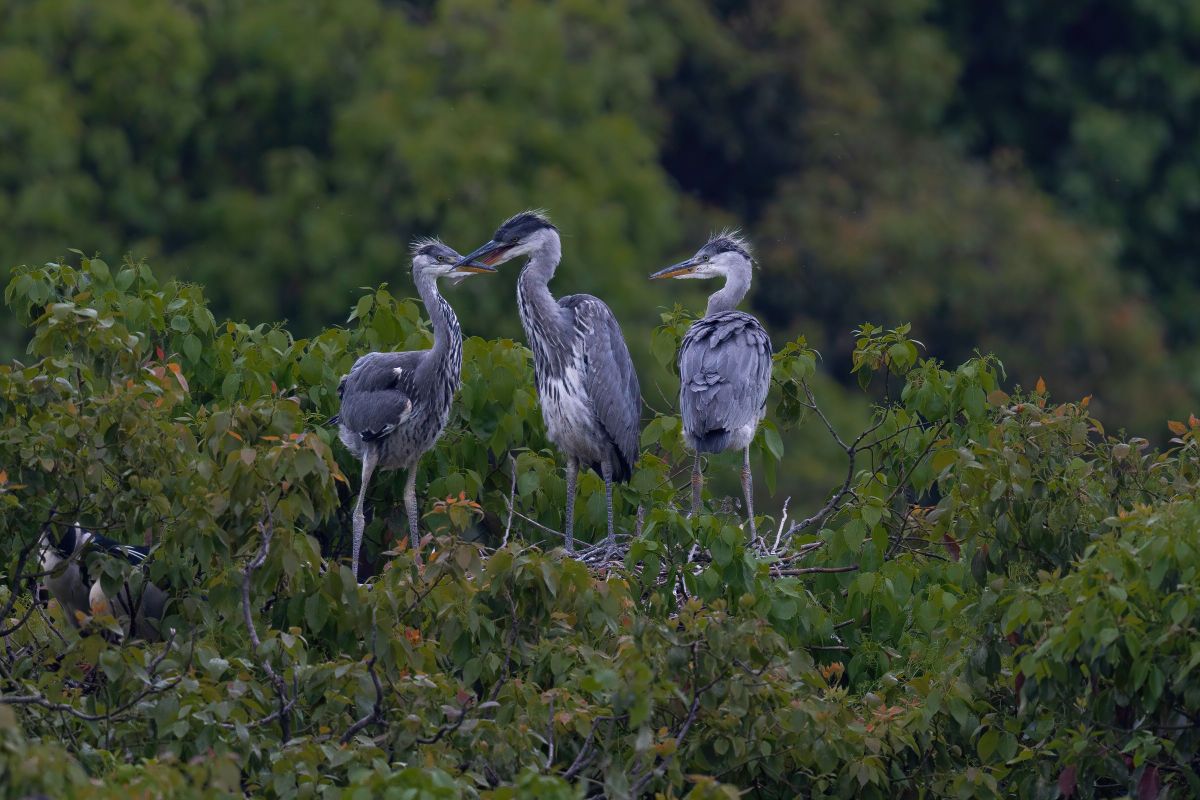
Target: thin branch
<point x="152" y="688"/>
<point x="697" y="695"/>
<point x="446" y="729"/>
<point x="375" y="715"/>
<point x="811" y="570"/>
<point x="916" y="462"/>
<point x="550" y="735"/>
<point x="17" y="573"/>
<point x="584" y="756"/>
<point x="512" y="493"/>
<point x="537" y="524"/>
<point x="267" y="720"/>
<point x="851" y="451"/>
<point x="268" y="530"/>
<point x="21" y="622"/>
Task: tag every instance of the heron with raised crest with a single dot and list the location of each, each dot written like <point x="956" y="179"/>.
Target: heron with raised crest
<point x="586" y="384"/>
<point x="394" y="406"/>
<point x="724" y="362"/>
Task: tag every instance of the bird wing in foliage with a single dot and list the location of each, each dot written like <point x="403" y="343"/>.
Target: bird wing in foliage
<point x="612" y="383"/>
<point x="725" y="372"/>
<point x="377" y="393"/>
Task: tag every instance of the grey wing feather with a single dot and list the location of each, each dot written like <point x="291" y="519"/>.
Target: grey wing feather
<point x="725" y="374"/>
<point x="377" y="393"/>
<point x="611" y="379"/>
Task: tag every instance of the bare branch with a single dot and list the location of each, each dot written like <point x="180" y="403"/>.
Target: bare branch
<point x="812" y="570"/>
<point x="512" y="494"/>
<point x="851" y="451"/>
<point x="550" y="736"/>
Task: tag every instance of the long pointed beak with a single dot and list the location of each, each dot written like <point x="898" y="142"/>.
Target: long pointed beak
<point x="486" y="254"/>
<point x="473" y="267"/>
<point x="676" y="270"/>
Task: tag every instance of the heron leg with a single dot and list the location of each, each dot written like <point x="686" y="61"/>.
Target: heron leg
<point x="370" y="459"/>
<point x="748" y="488"/>
<point x="410" y="508"/>
<point x="572" y="475"/>
<point x="697" y="483"/>
<point x="611" y="542"/>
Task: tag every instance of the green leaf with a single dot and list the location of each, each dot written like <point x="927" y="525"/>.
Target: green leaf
<point x="191" y="348"/>
<point x="987" y="744"/>
<point x="99" y="270"/>
<point x="773" y="442"/>
<point x="974" y="401"/>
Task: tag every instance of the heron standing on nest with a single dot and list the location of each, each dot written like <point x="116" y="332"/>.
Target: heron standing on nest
<point x="394" y="406"/>
<point x="586" y="384"/>
<point x="724" y="362"/>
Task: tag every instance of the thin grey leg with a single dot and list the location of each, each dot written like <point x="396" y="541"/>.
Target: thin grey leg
<point x="370" y="459"/>
<point x="410" y="508"/>
<point x="606" y="469"/>
<point x="697" y="483"/>
<point x="748" y="488"/>
<point x="572" y="475"/>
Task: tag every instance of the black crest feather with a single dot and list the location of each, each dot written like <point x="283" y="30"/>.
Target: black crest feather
<point x="519" y="226"/>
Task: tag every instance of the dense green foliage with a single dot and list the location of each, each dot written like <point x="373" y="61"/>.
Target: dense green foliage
<point x="283" y="154"/>
<point x="998" y="599"/>
<point x="1100" y="100"/>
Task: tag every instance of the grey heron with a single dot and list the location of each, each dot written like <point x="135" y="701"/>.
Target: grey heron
<point x="394" y="406"/>
<point x="585" y="379"/>
<point x="724" y="362"/>
<point x="78" y="595"/>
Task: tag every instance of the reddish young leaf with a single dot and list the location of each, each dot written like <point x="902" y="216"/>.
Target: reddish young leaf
<point x="1148" y="786"/>
<point x="1177" y="427"/>
<point x="1040" y="388"/>
<point x="1066" y="782"/>
<point x="952" y="545"/>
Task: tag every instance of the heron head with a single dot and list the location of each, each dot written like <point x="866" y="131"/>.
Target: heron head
<point x="73" y="539"/>
<point x="433" y="257"/>
<point x="519" y="235"/>
<point x="725" y="253"/>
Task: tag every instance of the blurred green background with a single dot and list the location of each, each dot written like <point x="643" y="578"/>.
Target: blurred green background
<point x="1016" y="176"/>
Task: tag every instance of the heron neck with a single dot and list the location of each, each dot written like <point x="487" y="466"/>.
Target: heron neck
<point x="737" y="283"/>
<point x="446" y="331"/>
<point x="533" y="289"/>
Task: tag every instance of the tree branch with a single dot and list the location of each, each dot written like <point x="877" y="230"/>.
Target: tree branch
<point x="152" y="688"/>
<point x="375" y="715"/>
<point x="285" y="705"/>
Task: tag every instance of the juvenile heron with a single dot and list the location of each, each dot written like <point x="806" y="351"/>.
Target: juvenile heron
<point x="724" y="362"/>
<point x="78" y="596"/>
<point x="394" y="406"/>
<point x="588" y="389"/>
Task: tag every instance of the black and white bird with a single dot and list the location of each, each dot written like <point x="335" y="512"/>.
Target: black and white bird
<point x="586" y="383"/>
<point x="394" y="406"/>
<point x="79" y="596"/>
<point x="724" y="362"/>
